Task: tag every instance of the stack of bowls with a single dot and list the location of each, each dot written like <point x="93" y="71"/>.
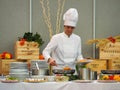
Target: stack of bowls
<point x="19" y="70"/>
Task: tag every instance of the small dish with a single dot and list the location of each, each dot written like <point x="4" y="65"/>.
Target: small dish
<point x="9" y="81"/>
<point x="83" y="81"/>
<point x="106" y="81"/>
<point x="61" y="78"/>
<point x="50" y="78"/>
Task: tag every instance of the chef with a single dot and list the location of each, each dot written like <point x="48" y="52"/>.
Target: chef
<point x="64" y="49"/>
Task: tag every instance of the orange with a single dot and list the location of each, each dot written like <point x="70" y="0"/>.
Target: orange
<point x="105" y="77"/>
<point x="66" y="68"/>
<point x="8" y="56"/>
<point x="0" y="56"/>
<point x="41" y="57"/>
<point x="116" y="77"/>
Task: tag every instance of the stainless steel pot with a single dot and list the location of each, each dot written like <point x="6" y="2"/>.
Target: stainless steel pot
<point x="41" y="72"/>
<point x="85" y="73"/>
<point x="93" y="75"/>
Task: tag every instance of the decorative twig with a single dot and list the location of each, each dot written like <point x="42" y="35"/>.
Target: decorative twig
<point x="59" y="15"/>
<point x="102" y="42"/>
<point x="47" y="17"/>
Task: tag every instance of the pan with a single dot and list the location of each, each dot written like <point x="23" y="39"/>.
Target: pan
<point x="60" y="71"/>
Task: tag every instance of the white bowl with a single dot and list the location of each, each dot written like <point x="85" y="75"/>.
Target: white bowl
<point x="50" y="78"/>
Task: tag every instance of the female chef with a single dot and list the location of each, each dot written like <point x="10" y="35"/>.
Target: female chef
<point x="65" y="48"/>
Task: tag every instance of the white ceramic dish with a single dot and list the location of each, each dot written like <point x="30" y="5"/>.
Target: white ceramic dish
<point x="18" y="64"/>
<point x="18" y="67"/>
<point x="83" y="81"/>
<point x="106" y="81"/>
<point x="84" y="62"/>
<point x="9" y="81"/>
<point x="50" y="78"/>
<point x="18" y="70"/>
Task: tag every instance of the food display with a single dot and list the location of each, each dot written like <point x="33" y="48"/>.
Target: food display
<point x="88" y="68"/>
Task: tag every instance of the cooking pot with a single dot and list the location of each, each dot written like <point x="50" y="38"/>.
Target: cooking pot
<point x="85" y="73"/>
<point x="41" y="72"/>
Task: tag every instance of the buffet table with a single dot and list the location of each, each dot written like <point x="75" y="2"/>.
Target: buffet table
<point x="59" y="86"/>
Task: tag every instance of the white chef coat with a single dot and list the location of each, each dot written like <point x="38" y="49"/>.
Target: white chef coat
<point x="65" y="50"/>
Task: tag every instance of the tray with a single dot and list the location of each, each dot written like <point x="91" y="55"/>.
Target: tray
<point x="35" y="80"/>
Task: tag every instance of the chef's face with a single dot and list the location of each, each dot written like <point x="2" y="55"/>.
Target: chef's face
<point x="68" y="30"/>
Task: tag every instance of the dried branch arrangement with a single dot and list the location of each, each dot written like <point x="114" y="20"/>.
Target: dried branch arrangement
<point x="47" y="15"/>
<point x="102" y="42"/>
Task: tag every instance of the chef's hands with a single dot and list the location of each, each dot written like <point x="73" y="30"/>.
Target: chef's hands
<point x="52" y="62"/>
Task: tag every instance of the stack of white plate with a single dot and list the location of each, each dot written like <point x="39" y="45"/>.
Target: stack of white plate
<point x="19" y="70"/>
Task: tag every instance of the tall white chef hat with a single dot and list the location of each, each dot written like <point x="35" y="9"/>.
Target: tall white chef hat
<point x="70" y="17"/>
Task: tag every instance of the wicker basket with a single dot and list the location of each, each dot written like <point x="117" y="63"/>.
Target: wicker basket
<point x="110" y="51"/>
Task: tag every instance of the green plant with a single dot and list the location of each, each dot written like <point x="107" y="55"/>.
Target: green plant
<point x="29" y="36"/>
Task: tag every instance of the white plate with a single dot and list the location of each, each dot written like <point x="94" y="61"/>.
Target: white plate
<point x="9" y="81"/>
<point x="18" y="67"/>
<point x="84" y="62"/>
<point x="106" y="81"/>
<point x="83" y="81"/>
<point x="18" y="70"/>
<point x="35" y="81"/>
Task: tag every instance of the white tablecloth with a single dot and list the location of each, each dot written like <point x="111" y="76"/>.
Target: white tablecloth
<point x="59" y="86"/>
